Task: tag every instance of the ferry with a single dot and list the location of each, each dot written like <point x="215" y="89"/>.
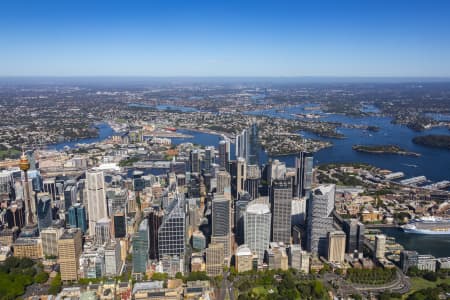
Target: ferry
<point x="428" y="225"/>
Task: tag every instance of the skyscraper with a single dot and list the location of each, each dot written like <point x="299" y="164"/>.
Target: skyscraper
<point x="224" y="153"/>
<point x="50" y="237"/>
<point x="119" y="224"/>
<point x="380" y="245"/>
<point x="172" y="232"/>
<point x="155" y="219"/>
<point x="257" y="221"/>
<point x="320" y="219"/>
<point x="214" y="259"/>
<point x="140" y="248"/>
<point x="209" y="158"/>
<point x="102" y="231"/>
<point x="221" y="222"/>
<point x="277" y="171"/>
<point x="281" y="207"/>
<point x="355" y="235"/>
<point x="44" y="211"/>
<point x="253" y="180"/>
<point x="77" y="217"/>
<point x="223" y="182"/>
<point x="69" y="251"/>
<point x="304" y="174"/>
<point x="96" y="198"/>
<point x="194" y="159"/>
<point x="241" y="176"/>
<point x="336" y="246"/>
<point x="70" y="196"/>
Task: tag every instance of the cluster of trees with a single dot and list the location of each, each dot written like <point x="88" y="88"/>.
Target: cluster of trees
<point x="438" y="141"/>
<point x="128" y="162"/>
<point x="16" y="274"/>
<point x="428" y="275"/>
<point x="439" y="292"/>
<point x="371" y="276"/>
<point x="277" y="284"/>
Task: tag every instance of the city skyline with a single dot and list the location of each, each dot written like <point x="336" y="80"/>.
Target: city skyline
<point x="214" y="39"/>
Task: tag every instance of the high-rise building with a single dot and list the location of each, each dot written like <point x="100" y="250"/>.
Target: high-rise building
<point x="28" y="247"/>
<point x="221" y="222"/>
<point x="224" y="153"/>
<point x="44" y="211"/>
<point x="119" y="226"/>
<point x="320" y="219"/>
<point x="408" y="259"/>
<point x="194" y="159"/>
<point x="172" y="232"/>
<point x="355" y="235"/>
<point x="336" y="246"/>
<point x="240" y="206"/>
<point x="113" y="262"/>
<point x="155" y="219"/>
<point x="253" y="180"/>
<point x="241" y="169"/>
<point x="209" y="158"/>
<point x="215" y="256"/>
<point x="102" y="231"/>
<point x="242" y="144"/>
<point x="277" y="257"/>
<point x="50" y="237"/>
<point x="77" y="217"/>
<point x="277" y="171"/>
<point x="298" y="213"/>
<point x="69" y="251"/>
<point x="119" y="200"/>
<point x="223" y="182"/>
<point x="304" y="174"/>
<point x="244" y="259"/>
<point x="281" y="207"/>
<point x="49" y="186"/>
<point x="140" y="248"/>
<point x="70" y="196"/>
<point x="96" y="198"/>
<point x="15" y="215"/>
<point x="257" y="221"/>
<point x="380" y="245"/>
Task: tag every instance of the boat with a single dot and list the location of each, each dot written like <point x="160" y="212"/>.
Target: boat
<point x="428" y="225"/>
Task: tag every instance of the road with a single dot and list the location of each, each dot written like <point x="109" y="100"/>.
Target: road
<point x="226" y="287"/>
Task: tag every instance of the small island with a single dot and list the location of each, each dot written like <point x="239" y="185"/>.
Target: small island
<point x="384" y="149"/>
<point x="433" y="140"/>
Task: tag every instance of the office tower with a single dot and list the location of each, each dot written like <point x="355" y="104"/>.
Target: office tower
<point x="295" y="257"/>
<point x="224" y="153"/>
<point x="336" y="246"/>
<point x="240" y="206"/>
<point x="320" y="219"/>
<point x="277" y="257"/>
<point x="298" y="213"/>
<point x="304" y="174"/>
<point x="70" y="196"/>
<point x="49" y="186"/>
<point x="24" y="165"/>
<point x="355" y="235"/>
<point x="155" y="219"/>
<point x="92" y="263"/>
<point x="221" y="222"/>
<point x="241" y="175"/>
<point x="113" y="262"/>
<point x="119" y="225"/>
<point x="215" y="256"/>
<point x="380" y="245"/>
<point x="37" y="183"/>
<point x="44" y="211"/>
<point x="69" y="252"/>
<point x="50" y="237"/>
<point x="118" y="199"/>
<point x="277" y="171"/>
<point x="96" y="198"/>
<point x="177" y="167"/>
<point x="253" y="180"/>
<point x="223" y="182"/>
<point x="194" y="160"/>
<point x="102" y="231"/>
<point x="172" y="232"/>
<point x="6" y="182"/>
<point x="257" y="221"/>
<point x="15" y="215"/>
<point x="244" y="259"/>
<point x="209" y="158"/>
<point x="77" y="217"/>
<point x="242" y="144"/>
<point x="253" y="145"/>
<point x="281" y="207"/>
<point x="140" y="248"/>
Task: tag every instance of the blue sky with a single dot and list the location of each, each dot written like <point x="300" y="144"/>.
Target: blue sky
<point x="226" y="38"/>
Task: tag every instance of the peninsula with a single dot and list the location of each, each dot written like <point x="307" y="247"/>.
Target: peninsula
<point x="433" y="140"/>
